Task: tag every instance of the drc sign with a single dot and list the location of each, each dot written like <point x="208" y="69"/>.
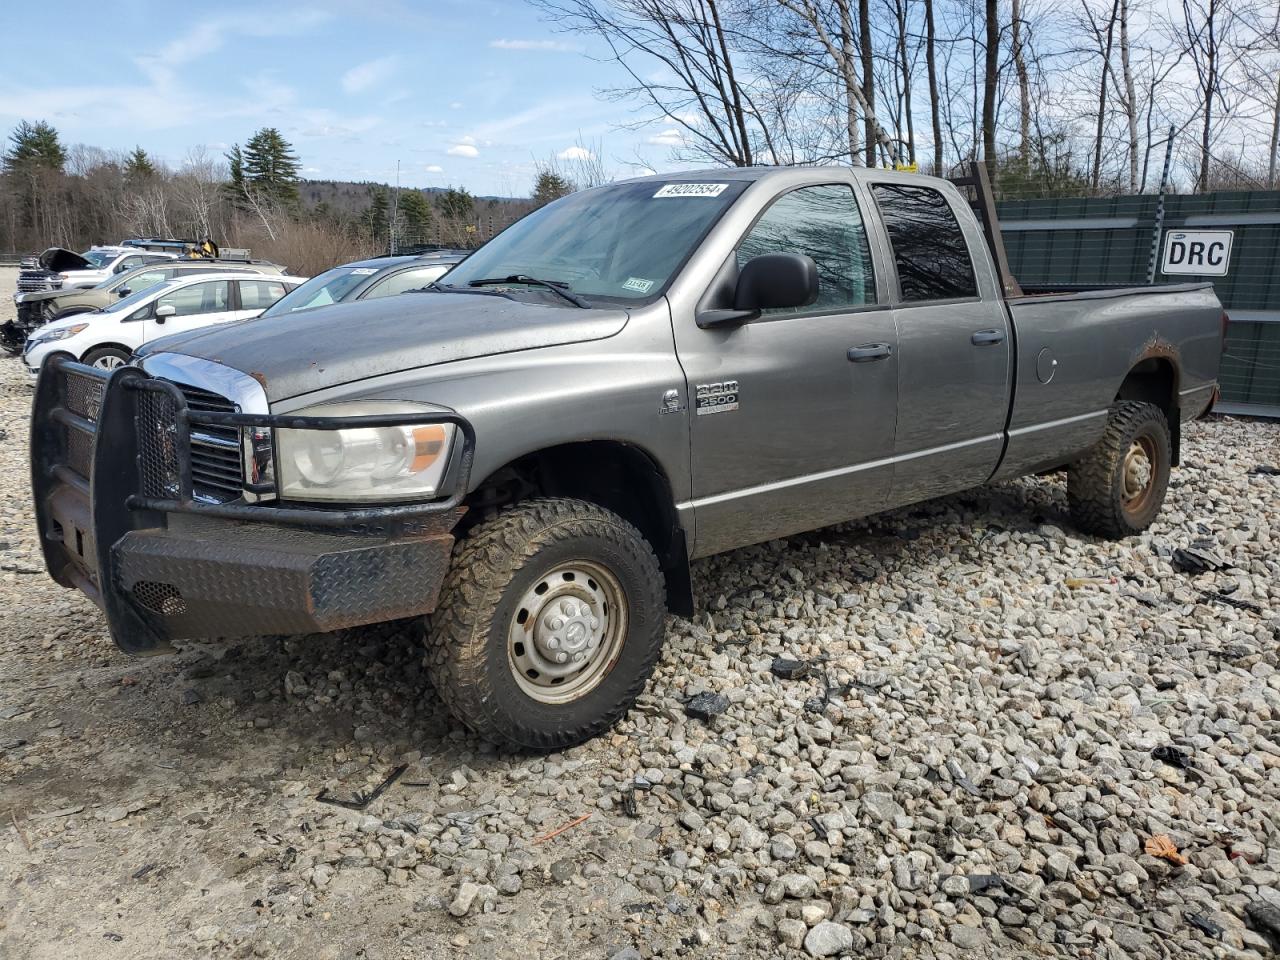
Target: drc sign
<point x="1204" y="253"/>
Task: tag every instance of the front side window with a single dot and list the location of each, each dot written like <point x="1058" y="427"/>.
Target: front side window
<point x="929" y="249"/>
<point x="143" y="280"/>
<point x="822" y="222"/>
<point x="209" y="297"/>
<point x="259" y="294"/>
<point x="408" y="280"/>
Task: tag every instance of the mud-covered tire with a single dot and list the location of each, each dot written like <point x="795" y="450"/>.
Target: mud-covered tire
<point x="1101" y="485"/>
<point x="471" y="651"/>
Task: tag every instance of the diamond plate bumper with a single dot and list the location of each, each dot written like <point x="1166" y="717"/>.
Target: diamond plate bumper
<point x="167" y="569"/>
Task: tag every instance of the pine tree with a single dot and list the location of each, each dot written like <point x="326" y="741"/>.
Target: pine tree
<point x="35" y="145"/>
<point x="415" y="212"/>
<point x="376" y="215"/>
<point x="270" y="167"/>
<point x="138" y="165"/>
<point x="235" y="182"/>
<point x="550" y="186"/>
<point x="456" y="204"/>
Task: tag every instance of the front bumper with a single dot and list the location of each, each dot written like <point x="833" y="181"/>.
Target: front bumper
<point x="167" y="567"/>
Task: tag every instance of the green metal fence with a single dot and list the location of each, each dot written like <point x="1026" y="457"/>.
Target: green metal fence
<point x="1107" y="240"/>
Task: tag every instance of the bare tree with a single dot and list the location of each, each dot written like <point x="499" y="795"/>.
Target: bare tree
<point x="1024" y="84"/>
<point x="832" y="26"/>
<point x="931" y="64"/>
<point x="699" y="89"/>
<point x="991" y="83"/>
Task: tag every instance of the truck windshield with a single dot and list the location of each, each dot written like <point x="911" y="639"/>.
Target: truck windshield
<point x="99" y="258"/>
<point x="620" y="242"/>
<point x="320" y="291"/>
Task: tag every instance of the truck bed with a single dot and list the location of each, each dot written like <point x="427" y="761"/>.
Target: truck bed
<point x="1073" y="348"/>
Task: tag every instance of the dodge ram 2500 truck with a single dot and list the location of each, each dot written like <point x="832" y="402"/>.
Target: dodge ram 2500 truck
<point x="529" y="453"/>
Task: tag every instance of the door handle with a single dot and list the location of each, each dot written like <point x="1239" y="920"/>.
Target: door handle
<point x="987" y="338"/>
<point x="870" y="351"/>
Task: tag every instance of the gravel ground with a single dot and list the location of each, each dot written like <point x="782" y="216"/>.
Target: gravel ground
<point x="966" y="768"/>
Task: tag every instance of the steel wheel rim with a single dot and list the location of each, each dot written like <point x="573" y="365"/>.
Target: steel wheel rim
<point x="1138" y="474"/>
<point x="108" y="362"/>
<point x="567" y="632"/>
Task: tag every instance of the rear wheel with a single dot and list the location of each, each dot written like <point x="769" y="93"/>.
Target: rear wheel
<point x="106" y="358"/>
<point x="1119" y="486"/>
<point x="549" y="623"/>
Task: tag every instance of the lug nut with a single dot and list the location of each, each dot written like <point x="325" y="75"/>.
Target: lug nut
<point x="553" y="643"/>
<point x="561" y="657"/>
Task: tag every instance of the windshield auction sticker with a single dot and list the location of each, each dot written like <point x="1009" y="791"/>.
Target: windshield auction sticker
<point x="638" y="284"/>
<point x="692" y="190"/>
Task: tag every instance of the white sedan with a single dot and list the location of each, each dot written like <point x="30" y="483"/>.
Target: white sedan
<point x="108" y="337"/>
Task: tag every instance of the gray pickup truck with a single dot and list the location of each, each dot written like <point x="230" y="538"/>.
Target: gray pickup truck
<point x="527" y="455"/>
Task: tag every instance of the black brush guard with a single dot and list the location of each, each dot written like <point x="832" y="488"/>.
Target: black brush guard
<point x="111" y="479"/>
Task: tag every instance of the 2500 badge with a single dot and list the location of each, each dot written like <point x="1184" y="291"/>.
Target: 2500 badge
<point x="716" y="397"/>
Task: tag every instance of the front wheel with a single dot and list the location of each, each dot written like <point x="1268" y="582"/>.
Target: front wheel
<point x="106" y="358"/>
<point x="548" y="624"/>
<point x="1118" y="487"/>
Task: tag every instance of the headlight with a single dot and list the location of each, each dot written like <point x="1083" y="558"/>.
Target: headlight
<point x="61" y="334"/>
<point x="361" y="464"/>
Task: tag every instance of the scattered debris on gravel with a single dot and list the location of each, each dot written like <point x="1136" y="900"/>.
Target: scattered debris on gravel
<point x="902" y="737"/>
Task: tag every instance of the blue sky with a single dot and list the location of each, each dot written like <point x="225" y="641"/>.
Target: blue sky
<point x="462" y="92"/>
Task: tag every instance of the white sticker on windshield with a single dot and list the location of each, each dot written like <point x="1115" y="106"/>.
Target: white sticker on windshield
<point x="638" y="284"/>
<point x="692" y="190"/>
<point x="364" y="271"/>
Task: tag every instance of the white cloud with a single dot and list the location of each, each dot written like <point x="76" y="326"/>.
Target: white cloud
<point x="671" y="137"/>
<point x="463" y="150"/>
<point x="550" y="46"/>
<point x="455" y="105"/>
<point x="364" y="76"/>
<point x="576" y="153"/>
<point x="208" y="36"/>
<point x="434" y="168"/>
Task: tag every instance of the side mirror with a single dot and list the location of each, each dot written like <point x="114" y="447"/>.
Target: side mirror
<point x="768" y="282"/>
<point x="777" y="280"/>
<point x="165" y="310"/>
<point x="123" y="292"/>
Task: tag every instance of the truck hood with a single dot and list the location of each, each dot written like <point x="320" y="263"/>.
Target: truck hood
<point x="59" y="259"/>
<point x="314" y="349"/>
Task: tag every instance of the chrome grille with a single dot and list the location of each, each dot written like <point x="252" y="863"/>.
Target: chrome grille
<point x="37" y="281"/>
<point x="217" y="459"/>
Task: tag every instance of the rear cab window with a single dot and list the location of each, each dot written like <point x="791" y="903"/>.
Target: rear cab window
<point x="822" y="222"/>
<point x="929" y="249"/>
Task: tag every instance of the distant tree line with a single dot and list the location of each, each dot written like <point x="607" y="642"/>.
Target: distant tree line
<point x="52" y="194"/>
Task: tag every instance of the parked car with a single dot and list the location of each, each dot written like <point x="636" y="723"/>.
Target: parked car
<point x="61" y="269"/>
<point x="531" y="451"/>
<point x="367" y="280"/>
<point x="36" y="309"/>
<point x="108" y="337"/>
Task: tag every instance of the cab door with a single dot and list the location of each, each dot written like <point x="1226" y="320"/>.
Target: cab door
<point x="792" y="415"/>
<point x="194" y="306"/>
<point x="954" y="358"/>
